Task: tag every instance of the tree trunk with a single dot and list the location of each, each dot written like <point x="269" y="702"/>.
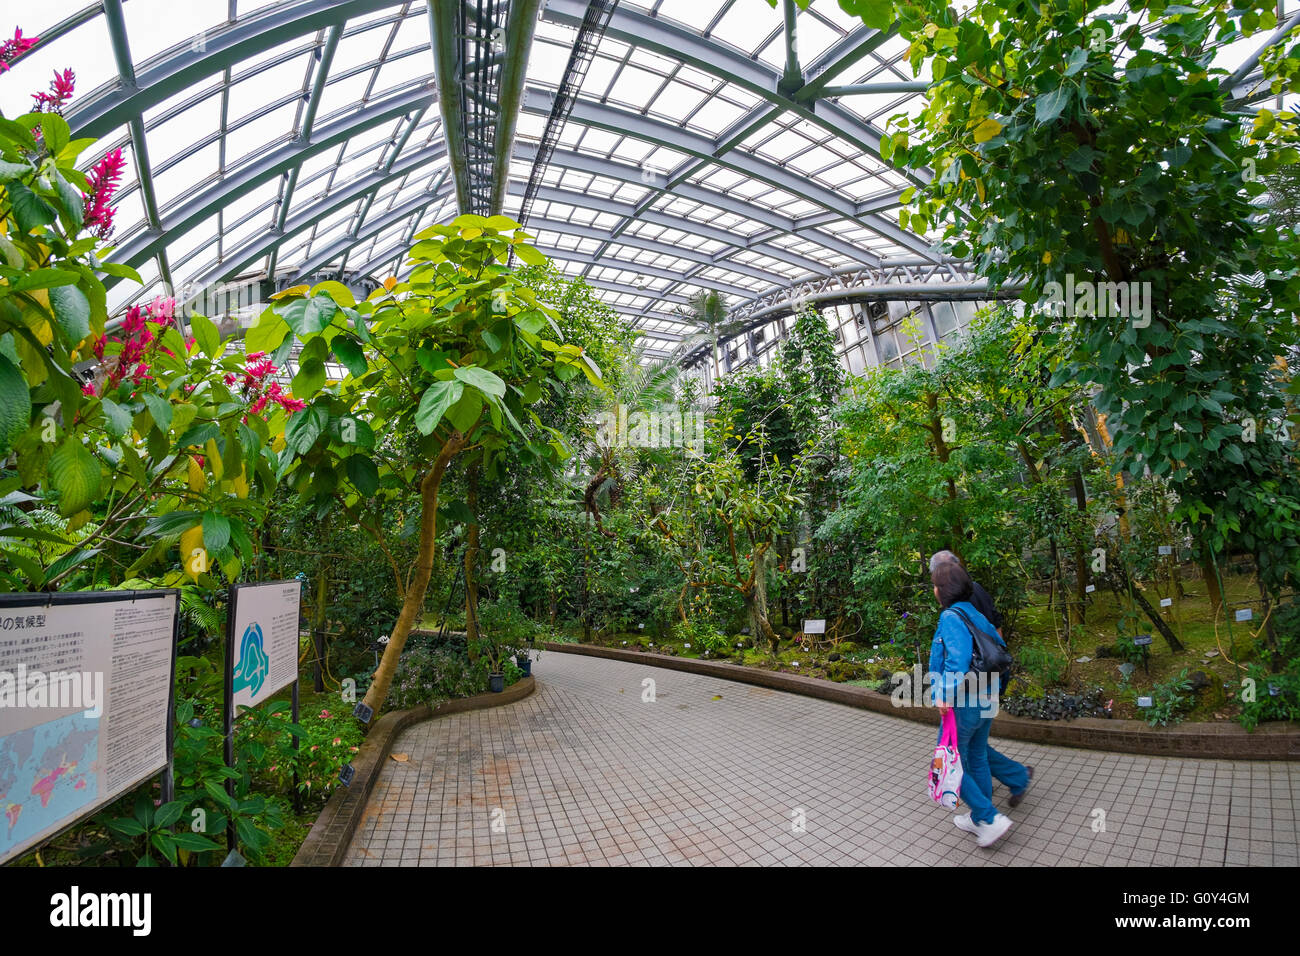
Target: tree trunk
<point x="413" y="602"/>
<point x="318" y="627"/>
<point x="471" y="561"/>
<point x="758" y="622"/>
<point x="943" y="453"/>
<point x="1211" y="580"/>
<point x="1156" y="620"/>
<point x="1081" y="505"/>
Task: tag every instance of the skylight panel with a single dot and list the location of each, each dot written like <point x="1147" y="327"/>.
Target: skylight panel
<point x="153" y="26"/>
<point x="251" y="95"/>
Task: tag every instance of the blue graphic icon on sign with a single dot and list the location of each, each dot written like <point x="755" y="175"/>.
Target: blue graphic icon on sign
<point x="253" y="666"/>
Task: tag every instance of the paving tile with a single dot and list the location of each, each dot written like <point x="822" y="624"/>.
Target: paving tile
<point x="583" y="773"/>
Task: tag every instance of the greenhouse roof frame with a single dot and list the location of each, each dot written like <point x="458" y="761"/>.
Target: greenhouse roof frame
<point x="703" y="144"/>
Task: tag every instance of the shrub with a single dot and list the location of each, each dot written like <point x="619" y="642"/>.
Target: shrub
<point x="1046" y="665"/>
<point x="431" y="675"/>
<point x="1267" y="705"/>
<point x="1170" y="701"/>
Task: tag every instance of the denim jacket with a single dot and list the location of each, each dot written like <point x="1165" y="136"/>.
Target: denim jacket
<point x="951" y="650"/>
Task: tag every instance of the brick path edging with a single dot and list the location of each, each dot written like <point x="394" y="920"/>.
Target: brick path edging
<point x="1277" y="740"/>
<point x="327" y="843"/>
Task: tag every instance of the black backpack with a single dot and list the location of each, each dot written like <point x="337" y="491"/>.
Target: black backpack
<point x="988" y="654"/>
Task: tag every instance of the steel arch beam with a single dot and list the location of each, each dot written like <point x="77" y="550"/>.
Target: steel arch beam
<point x="669" y="221"/>
<point x="371" y="229"/>
<point x="539" y="223"/>
<point x="260" y="245"/>
<point x="597" y="166"/>
<point x="606" y="262"/>
<point x="250" y="176"/>
<point x="728" y="63"/>
<point x="625" y="123"/>
<point x="163" y="76"/>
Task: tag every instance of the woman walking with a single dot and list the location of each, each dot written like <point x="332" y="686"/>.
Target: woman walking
<point x="950" y="660"/>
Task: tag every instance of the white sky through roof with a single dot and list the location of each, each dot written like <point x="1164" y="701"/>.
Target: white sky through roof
<point x="761" y="195"/>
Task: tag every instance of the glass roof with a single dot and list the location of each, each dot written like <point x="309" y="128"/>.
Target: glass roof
<point x="304" y="137"/>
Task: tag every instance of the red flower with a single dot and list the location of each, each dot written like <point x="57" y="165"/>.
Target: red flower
<point x="11" y="50"/>
<point x="104" y="179"/>
<point x="60" y="92"/>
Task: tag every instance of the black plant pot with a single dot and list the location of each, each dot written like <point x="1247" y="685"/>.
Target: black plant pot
<point x="525" y="665"/>
<point x="496" y="683"/>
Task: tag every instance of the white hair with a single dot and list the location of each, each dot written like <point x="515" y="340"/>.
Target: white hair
<point x="939" y="557"/>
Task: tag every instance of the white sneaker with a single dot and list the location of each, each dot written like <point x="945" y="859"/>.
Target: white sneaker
<point x="963" y="822"/>
<point x="990" y="833"/>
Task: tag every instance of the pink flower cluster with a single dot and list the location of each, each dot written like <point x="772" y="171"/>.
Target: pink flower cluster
<point x="104" y="179"/>
<point x="61" y="89"/>
<point x="143" y="327"/>
<point x="11" y="50"/>
<point x="260" y="389"/>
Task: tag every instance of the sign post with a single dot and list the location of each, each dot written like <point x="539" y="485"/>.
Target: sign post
<point x="86" y="706"/>
<point x="262" y="628"/>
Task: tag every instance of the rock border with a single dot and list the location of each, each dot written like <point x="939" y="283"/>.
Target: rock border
<point x="327" y="842"/>
<point x="1278" y="740"/>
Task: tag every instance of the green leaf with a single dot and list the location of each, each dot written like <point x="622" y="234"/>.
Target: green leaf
<point x="528" y="255"/>
<point x="207" y="335"/>
<point x="348" y="351"/>
<point x="121" y="270"/>
<point x="309" y="316"/>
<point x="126" y="826"/>
<point x="310" y="378"/>
<point x="363" y="473"/>
<point x="117" y="419"/>
<point x="170" y="812"/>
<point x="173" y="522"/>
<point x="1048" y="106"/>
<point x="435" y="401"/>
<point x="11" y="171"/>
<point x="30" y="210"/>
<point x="304" y="427"/>
<point x="72" y="310"/>
<point x="75" y="475"/>
<point x="70" y="561"/>
<point x="1078" y="60"/>
<point x="74" y="205"/>
<point x="160" y="409"/>
<point x="216" y="531"/>
<point x="55" y="131"/>
<point x="489" y="383"/>
<point x="15" y="405"/>
<point x="195" y="842"/>
<point x="465" y="412"/>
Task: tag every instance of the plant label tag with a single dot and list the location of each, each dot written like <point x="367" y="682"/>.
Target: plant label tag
<point x="1144" y="701"/>
<point x="1165" y="602"/>
<point x="1274" y="690"/>
<point x="346" y="773"/>
<point x="1166" y="549"/>
<point x="363" y="713"/>
<point x="1245" y="614"/>
<point x="1089" y="589"/>
<point x="1142" y="640"/>
<point x="815" y="627"/>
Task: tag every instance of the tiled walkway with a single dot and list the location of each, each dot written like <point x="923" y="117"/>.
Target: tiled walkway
<point x="585" y="772"/>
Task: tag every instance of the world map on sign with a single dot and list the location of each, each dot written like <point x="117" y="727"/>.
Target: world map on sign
<point x="47" y="774"/>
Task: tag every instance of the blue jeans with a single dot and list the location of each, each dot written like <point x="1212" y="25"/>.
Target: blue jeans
<point x="1011" y="773"/>
<point x="980" y="763"/>
<point x="973" y="745"/>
